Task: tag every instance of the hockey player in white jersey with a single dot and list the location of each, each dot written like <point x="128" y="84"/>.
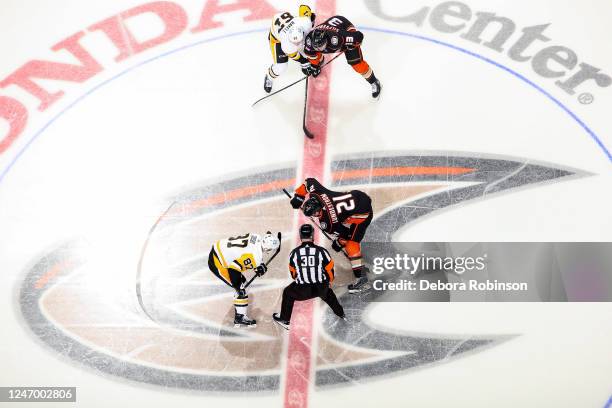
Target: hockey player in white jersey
<point x="231" y="258"/>
<point x="286" y="38"/>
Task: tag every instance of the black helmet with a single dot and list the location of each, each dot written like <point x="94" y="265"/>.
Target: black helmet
<point x="319" y="40"/>
<point x="311" y="206"/>
<point x="306" y="232"/>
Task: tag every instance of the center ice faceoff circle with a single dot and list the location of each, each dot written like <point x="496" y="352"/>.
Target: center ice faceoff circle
<point x="189" y="305"/>
<point x="192" y="345"/>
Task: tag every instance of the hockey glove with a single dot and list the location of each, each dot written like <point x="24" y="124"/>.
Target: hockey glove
<point x="337" y="245"/>
<point x="316" y="70"/>
<point x="261" y="270"/>
<point x="309" y="69"/>
<point x="306" y="69"/>
<point x="297" y="201"/>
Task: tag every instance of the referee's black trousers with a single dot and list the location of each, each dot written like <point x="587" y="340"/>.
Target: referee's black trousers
<point x="307" y="291"/>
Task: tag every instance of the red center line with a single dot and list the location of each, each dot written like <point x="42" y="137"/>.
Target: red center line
<point x="300" y="355"/>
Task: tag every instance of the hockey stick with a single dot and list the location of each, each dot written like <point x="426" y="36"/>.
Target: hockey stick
<point x="307" y="132"/>
<point x="280" y="90"/>
<point x="269" y="260"/>
<point x="294" y="83"/>
<point x="318" y="226"/>
<point x="140" y="261"/>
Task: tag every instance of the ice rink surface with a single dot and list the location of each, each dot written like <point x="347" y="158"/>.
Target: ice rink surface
<point x="473" y="139"/>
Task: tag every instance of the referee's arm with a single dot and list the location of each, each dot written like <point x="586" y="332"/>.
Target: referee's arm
<point x="328" y="264"/>
<point x="292" y="269"/>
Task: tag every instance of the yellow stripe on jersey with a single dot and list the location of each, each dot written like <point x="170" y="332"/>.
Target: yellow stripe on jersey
<point x="224" y="265"/>
<point x="222" y="270"/>
<point x="220" y="254"/>
<point x="272" y="46"/>
<point x="273" y="42"/>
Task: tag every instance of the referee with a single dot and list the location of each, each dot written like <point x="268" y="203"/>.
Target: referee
<point x="312" y="270"/>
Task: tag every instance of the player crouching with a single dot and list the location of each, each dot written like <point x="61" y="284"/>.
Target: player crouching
<point x="337" y="34"/>
<point x="231" y="258"/>
<point x="345" y="215"/>
<point x="286" y="38"/>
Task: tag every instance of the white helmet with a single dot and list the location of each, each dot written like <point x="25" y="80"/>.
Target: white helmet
<point x="295" y="34"/>
<point x="269" y="243"/>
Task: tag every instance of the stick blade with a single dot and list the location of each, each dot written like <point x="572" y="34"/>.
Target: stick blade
<point x="280" y="242"/>
<point x="308" y="133"/>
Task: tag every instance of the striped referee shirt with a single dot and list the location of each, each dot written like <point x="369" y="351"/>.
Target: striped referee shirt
<point x="310" y="263"/>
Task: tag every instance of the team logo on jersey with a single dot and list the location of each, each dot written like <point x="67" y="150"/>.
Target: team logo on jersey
<point x="71" y="302"/>
<point x="334" y="40"/>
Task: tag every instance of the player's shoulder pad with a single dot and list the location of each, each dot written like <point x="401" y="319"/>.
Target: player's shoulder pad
<point x="305" y="23"/>
<point x="305" y="11"/>
<point x="312" y="185"/>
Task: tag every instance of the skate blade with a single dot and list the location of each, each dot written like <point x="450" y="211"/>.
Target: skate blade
<point x="364" y="289"/>
<point x="282" y="325"/>
<point x="244" y="326"/>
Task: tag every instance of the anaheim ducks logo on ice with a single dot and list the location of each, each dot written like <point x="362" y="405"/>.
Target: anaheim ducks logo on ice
<point x="190" y="342"/>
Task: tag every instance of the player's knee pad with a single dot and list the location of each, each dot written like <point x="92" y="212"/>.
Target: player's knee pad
<point x="277" y="70"/>
<point x="353" y="249"/>
<point x="362" y="68"/>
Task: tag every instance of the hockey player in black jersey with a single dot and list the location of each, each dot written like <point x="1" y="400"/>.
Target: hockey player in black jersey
<point x="344" y="215"/>
<point x="337" y="34"/>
